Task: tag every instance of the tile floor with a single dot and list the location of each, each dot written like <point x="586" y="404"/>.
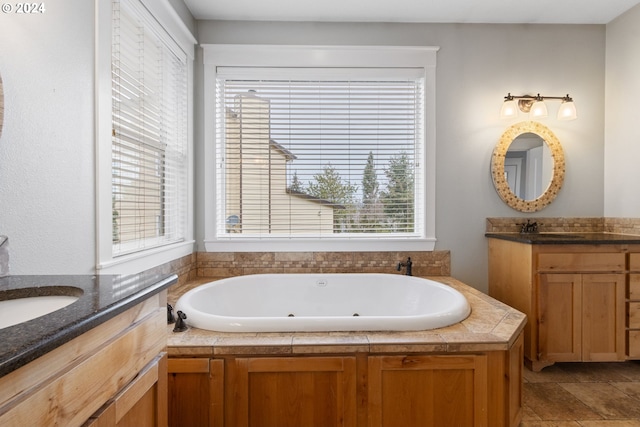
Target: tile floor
<point x="583" y="395"/>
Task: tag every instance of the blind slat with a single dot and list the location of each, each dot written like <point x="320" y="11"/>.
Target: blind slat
<point x="149" y="116"/>
<point x="320" y="157"/>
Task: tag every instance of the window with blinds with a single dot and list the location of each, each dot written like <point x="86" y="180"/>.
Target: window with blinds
<point x="149" y="132"/>
<point x="322" y="153"/>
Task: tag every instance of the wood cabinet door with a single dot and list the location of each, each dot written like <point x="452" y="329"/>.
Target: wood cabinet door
<point x="142" y="403"/>
<point x="560" y="317"/>
<point x="428" y="391"/>
<point x="603" y="317"/>
<point x="196" y="392"/>
<point x="291" y="392"/>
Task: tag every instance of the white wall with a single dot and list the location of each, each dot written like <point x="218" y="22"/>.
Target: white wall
<point x="477" y="66"/>
<point x="622" y="148"/>
<point x="47" y="145"/>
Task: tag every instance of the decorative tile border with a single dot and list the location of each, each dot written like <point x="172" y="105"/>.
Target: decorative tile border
<point x="548" y="224"/>
<point x="622" y="225"/>
<point x="228" y="264"/>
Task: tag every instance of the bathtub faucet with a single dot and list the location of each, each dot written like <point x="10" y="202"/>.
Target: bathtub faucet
<point x="406" y="264"/>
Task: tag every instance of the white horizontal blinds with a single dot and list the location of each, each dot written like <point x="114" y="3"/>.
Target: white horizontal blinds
<point x="149" y="89"/>
<point x="323" y="157"/>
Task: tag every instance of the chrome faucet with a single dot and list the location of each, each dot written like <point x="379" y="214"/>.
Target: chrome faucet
<point x="406" y="264"/>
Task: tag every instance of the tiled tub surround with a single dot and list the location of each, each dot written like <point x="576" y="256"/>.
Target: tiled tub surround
<point x="229" y="264"/>
<point x="490" y="337"/>
<point x="491" y="326"/>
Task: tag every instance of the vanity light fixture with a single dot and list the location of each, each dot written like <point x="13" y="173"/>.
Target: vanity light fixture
<point x="535" y="106"/>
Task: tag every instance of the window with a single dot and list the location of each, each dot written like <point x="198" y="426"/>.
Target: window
<point x="149" y="136"/>
<point x="309" y="154"/>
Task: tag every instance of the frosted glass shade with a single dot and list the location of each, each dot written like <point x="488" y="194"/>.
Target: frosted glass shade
<point x="567" y="111"/>
<point x="538" y="110"/>
<point x="509" y="109"/>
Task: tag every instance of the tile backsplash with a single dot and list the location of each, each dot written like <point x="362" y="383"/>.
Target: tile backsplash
<point x="228" y="264"/>
<point x="567" y="225"/>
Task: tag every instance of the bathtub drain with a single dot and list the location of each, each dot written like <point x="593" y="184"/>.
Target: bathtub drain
<point x="291" y="315"/>
<point x="355" y="315"/>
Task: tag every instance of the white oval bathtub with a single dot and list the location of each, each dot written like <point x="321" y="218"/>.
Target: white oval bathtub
<point x="323" y="302"/>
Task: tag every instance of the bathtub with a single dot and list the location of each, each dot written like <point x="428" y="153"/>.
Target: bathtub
<point x="323" y="302"/>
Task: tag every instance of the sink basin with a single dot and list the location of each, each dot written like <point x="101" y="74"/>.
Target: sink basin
<point x="20" y="305"/>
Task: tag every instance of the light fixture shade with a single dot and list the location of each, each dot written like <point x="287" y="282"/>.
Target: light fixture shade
<point x="567" y="111"/>
<point x="538" y="110"/>
<point x="509" y="109"/>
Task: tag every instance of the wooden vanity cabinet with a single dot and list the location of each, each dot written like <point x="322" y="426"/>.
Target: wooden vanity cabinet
<point x="112" y="375"/>
<point x="354" y="390"/>
<point x="633" y="307"/>
<point x="573" y="296"/>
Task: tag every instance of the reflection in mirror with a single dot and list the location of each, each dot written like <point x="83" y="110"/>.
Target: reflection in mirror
<point x="527" y="166"/>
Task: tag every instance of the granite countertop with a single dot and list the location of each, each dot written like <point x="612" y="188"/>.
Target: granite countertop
<point x="491" y="326"/>
<point x="100" y="299"/>
<point x="568" y="238"/>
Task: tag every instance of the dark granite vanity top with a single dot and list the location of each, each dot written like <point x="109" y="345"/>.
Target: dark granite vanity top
<point x="100" y="299"/>
<point x="568" y="238"/>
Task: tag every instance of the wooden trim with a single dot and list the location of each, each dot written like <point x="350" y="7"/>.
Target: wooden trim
<point x="216" y="391"/>
<point x="180" y="366"/>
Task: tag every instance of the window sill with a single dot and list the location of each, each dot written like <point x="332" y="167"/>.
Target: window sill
<point x="139" y="261"/>
<point x="351" y="245"/>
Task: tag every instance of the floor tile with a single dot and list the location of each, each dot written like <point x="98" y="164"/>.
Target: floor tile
<point x="610" y="423"/>
<point x="631" y="389"/>
<point x="604" y="399"/>
<point x="549" y="424"/>
<point x="552" y="402"/>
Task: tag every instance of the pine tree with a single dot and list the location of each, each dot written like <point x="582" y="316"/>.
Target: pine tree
<point x="398" y="199"/>
<point x="329" y="186"/>
<point x="370" y="212"/>
<point x="296" y="184"/>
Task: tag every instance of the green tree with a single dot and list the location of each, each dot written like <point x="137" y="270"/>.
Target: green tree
<point x="329" y="186"/>
<point x="296" y="184"/>
<point x="398" y="198"/>
<point x="370" y="213"/>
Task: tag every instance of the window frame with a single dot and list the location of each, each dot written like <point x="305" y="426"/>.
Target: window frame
<point x="220" y="55"/>
<point x="169" y="27"/>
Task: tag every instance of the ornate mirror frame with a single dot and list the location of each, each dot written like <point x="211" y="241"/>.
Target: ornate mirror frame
<point x="497" y="167"/>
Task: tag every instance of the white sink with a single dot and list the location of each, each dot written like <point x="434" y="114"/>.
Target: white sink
<point x="18" y="310"/>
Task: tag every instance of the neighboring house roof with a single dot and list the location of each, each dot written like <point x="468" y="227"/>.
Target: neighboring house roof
<point x="286" y="153"/>
<point x="311" y="198"/>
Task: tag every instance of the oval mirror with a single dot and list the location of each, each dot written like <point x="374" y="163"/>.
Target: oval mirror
<point x="527" y="166"/>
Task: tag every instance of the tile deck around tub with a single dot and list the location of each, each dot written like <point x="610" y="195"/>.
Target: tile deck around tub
<point x="491" y="326"/>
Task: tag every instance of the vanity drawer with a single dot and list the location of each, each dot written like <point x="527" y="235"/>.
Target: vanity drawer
<point x="634" y="262"/>
<point x="582" y="262"/>
<point x="633" y="315"/>
<point x="633" y="344"/>
<point x="634" y="286"/>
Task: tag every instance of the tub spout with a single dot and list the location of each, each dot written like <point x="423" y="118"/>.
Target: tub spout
<point x="406" y="264"/>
